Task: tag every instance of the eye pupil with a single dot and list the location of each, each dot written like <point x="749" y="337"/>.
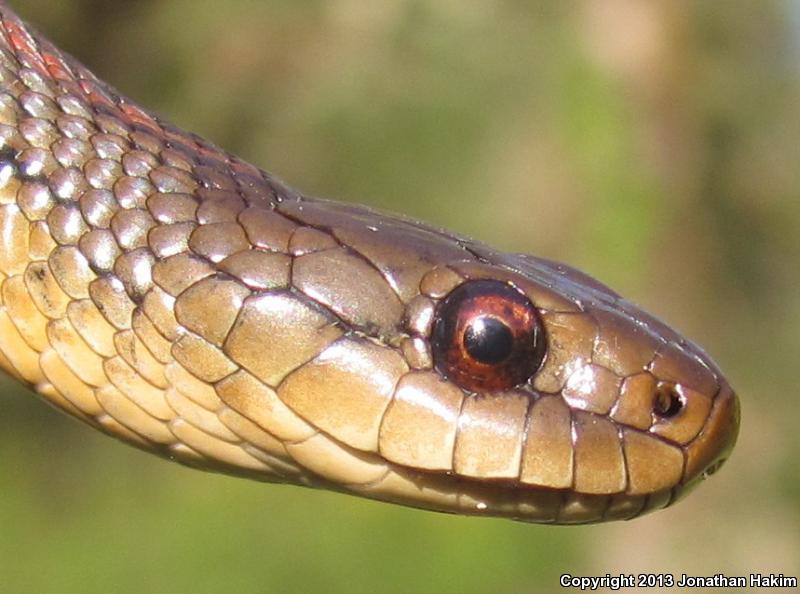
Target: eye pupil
<point x="488" y="340"/>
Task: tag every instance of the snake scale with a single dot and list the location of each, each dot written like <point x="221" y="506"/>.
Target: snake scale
<point x="177" y="298"/>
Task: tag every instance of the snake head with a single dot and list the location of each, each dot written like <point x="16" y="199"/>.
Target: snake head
<point x="477" y="382"/>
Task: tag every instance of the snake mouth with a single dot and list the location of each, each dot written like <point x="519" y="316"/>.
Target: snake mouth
<point x="713" y="468"/>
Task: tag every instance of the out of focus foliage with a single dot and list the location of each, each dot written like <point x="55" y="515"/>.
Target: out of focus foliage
<point x="655" y="145"/>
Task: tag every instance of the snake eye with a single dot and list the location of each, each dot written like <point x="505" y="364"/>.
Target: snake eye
<point x="487" y="336"/>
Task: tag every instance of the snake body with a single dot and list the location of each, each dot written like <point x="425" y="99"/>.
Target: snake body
<point x="177" y="298"/>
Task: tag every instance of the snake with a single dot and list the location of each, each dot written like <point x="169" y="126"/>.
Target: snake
<point x="173" y="296"/>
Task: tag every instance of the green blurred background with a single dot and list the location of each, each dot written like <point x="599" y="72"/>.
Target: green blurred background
<point x="654" y="145"/>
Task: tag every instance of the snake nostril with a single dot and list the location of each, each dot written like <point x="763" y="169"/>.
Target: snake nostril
<point x="668" y="401"/>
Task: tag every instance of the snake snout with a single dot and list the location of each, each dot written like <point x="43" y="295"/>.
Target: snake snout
<point x="711" y="448"/>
